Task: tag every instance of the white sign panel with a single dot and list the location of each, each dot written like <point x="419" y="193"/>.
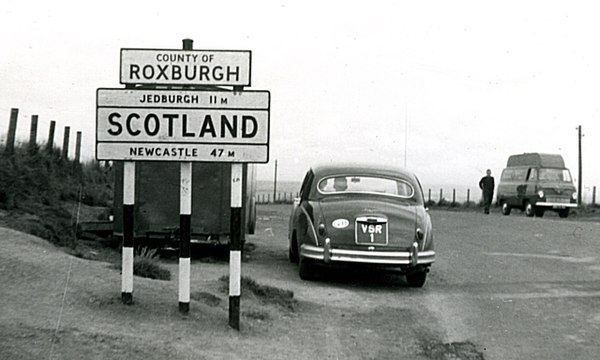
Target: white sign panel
<point x="182" y="125"/>
<point x="185" y="67"/>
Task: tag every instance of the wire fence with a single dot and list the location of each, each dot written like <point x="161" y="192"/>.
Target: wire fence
<point x="441" y="196"/>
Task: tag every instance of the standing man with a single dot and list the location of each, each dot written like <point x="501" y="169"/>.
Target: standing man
<point x="486" y="184"/>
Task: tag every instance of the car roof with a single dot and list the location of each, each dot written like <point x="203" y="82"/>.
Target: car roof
<point x="324" y="170"/>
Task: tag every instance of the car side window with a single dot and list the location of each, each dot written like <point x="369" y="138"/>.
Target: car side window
<point x="532" y="175"/>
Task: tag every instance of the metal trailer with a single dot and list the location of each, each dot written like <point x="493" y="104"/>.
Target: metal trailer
<point x="156" y="210"/>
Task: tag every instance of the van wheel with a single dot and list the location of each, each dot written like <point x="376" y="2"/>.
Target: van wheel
<point x="505" y="209"/>
<point x="529" y="209"/>
<point x="563" y="213"/>
<point x="539" y="212"/>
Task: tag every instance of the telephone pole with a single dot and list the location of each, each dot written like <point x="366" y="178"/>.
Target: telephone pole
<point x="579" y="176"/>
<point x="275" y="184"/>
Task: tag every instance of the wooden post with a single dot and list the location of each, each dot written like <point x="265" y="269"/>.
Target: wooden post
<point x="441" y="195"/>
<point x="453" y="196"/>
<point x="468" y="196"/>
<point x="594" y="196"/>
<point x="185" y="230"/>
<point x="128" y="218"/>
<point x="78" y="147"/>
<point x="65" y="149"/>
<point x="235" y="246"/>
<point x="50" y="143"/>
<point x="12" y="132"/>
<point x="429" y="196"/>
<point x="33" y="134"/>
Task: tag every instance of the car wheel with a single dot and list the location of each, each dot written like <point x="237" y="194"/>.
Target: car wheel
<point x="306" y="271"/>
<point x="292" y="250"/>
<point x="563" y="213"/>
<point x="505" y="209"/>
<point x="416" y="278"/>
<point x="529" y="209"/>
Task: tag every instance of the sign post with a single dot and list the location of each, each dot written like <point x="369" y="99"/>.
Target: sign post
<point x="128" y="218"/>
<point x="235" y="246"/>
<point x="198" y="120"/>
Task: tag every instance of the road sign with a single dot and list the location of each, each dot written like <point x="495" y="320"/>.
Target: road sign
<point x="185" y="67"/>
<point x="182" y="125"/>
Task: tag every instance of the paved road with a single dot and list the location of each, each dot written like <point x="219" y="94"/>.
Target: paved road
<point x="509" y="287"/>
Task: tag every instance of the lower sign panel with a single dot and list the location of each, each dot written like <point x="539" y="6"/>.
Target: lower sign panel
<point x="182" y="152"/>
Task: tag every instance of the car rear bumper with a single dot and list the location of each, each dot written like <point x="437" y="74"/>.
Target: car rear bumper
<point x="328" y="254"/>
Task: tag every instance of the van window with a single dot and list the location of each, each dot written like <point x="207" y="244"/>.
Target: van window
<point x="556" y="175"/>
<point x="532" y="174"/>
<point x="515" y="174"/>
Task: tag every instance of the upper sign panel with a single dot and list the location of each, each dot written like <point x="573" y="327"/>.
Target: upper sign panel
<point x="185" y="67"/>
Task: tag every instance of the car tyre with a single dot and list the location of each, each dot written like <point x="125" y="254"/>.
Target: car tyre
<point x="292" y="250"/>
<point x="529" y="209"/>
<point x="505" y="209"/>
<point x="416" y="279"/>
<point x="306" y="271"/>
<point x="564" y="213"/>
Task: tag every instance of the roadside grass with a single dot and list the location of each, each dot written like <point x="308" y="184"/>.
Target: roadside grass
<point x="146" y="264"/>
<point x="265" y="293"/>
<point x="42" y="193"/>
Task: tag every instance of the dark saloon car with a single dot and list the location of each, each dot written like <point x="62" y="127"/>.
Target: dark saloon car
<point x="361" y="215"/>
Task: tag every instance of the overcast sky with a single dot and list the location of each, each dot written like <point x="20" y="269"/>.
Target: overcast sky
<point x="465" y="83"/>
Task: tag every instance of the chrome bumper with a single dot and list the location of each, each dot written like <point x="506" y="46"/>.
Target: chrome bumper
<point x="328" y="254"/>
<point x="556" y="204"/>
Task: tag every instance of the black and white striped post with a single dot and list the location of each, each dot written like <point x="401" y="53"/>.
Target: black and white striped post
<point x="235" y="246"/>
<point x="127" y="255"/>
<point x="185" y="229"/>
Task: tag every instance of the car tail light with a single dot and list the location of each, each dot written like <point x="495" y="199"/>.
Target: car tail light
<point x="420" y="235"/>
<point x="321" y="230"/>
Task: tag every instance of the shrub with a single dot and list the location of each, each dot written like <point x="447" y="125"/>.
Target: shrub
<point x="149" y="267"/>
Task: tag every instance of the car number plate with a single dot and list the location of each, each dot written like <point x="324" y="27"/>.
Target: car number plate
<point x="371" y="231"/>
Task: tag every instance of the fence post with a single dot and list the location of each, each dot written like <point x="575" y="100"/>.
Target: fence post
<point x="33" y="134"/>
<point x="65" y="149"/>
<point x="12" y="132"/>
<point x="594" y="196"/>
<point x="441" y="195"/>
<point x="78" y="147"/>
<point x="453" y="196"/>
<point x="429" y="196"/>
<point x="50" y="143"/>
<point x="468" y="196"/>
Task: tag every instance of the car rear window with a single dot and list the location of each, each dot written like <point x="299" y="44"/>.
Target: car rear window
<point x="365" y="184"/>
